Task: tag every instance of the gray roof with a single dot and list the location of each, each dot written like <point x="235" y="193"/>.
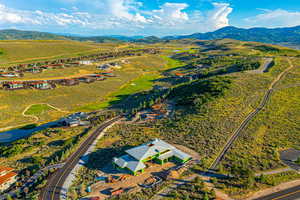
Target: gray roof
<point x="166" y="155"/>
<point x="181" y="155"/>
<point x="149" y="149"/>
<point x="129" y="162"/>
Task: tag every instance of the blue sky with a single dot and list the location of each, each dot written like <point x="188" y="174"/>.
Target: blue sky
<point x="145" y="17"/>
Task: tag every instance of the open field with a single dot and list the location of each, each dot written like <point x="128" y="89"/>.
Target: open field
<point x="18" y="52"/>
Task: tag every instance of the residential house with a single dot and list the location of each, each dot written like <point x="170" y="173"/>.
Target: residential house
<point x="76" y="119"/>
<point x="14" y="85"/>
<point x="41" y="85"/>
<point x="135" y="159"/>
<point x="7" y="177"/>
<point x="85" y="62"/>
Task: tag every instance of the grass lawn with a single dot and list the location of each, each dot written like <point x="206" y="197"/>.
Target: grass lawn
<point x="37" y="109"/>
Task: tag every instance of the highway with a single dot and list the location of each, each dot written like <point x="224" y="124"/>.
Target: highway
<point x="55" y="183"/>
<point x="288" y="194"/>
<point x="249" y="117"/>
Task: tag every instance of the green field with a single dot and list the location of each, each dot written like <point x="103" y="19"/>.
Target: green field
<point x="37" y="109"/>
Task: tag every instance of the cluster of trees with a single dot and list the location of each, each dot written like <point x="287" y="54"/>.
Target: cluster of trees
<point x="244" y="65"/>
<point x="133" y="103"/>
<point x="200" y="92"/>
<point x="13" y="149"/>
<point x="194" y="190"/>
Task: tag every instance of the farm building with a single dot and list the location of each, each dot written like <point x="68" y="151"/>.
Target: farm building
<point x="7" y="177"/>
<point x="13" y="85"/>
<point x="157" y="150"/>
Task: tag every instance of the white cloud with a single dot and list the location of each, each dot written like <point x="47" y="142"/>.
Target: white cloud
<point x="124" y="16"/>
<point x="275" y="18"/>
<point x="218" y="18"/>
<point x="121" y="9"/>
<point x="171" y="13"/>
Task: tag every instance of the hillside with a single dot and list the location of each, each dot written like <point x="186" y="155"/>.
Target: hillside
<point x="283" y="36"/>
<point x="11" y="34"/>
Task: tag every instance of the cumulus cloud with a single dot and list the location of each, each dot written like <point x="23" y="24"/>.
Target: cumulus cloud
<point x="275" y="18"/>
<point x="218" y="18"/>
<point x="170" y="13"/>
<point x="126" y="16"/>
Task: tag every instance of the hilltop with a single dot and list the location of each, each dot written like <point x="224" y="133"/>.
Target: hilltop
<point x="282" y="36"/>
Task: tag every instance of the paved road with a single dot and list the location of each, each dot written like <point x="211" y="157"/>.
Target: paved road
<point x="54" y="185"/>
<point x="250" y="117"/>
<point x="288" y="194"/>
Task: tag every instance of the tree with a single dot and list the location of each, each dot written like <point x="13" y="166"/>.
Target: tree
<point x="8" y="197"/>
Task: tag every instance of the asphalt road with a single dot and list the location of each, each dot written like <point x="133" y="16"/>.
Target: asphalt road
<point x="249" y="118"/>
<point x="288" y="194"/>
<point x="55" y="184"/>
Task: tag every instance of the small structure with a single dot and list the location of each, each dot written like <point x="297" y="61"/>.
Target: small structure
<point x="117" y="192"/>
<point x="41" y="85"/>
<point x="85" y="62"/>
<point x="8" y="75"/>
<point x="69" y="82"/>
<point x="86" y="79"/>
<point x="157" y="150"/>
<point x="7" y="177"/>
<point x="76" y="119"/>
<point x="14" y="85"/>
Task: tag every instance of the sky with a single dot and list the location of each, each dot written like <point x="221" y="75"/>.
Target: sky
<point x="145" y="17"/>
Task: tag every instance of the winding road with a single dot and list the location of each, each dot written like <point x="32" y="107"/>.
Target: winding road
<point x="246" y="121"/>
<point x="55" y="183"/>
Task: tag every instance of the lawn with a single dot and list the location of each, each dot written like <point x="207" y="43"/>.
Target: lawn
<point x="37" y="109"/>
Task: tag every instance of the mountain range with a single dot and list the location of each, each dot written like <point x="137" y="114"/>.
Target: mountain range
<point x="289" y="36"/>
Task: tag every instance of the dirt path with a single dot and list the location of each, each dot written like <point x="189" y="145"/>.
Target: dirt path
<point x="275" y="171"/>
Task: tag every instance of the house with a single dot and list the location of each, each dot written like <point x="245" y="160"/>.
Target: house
<point x="8" y="75"/>
<point x="108" y="74"/>
<point x="76" y="119"/>
<point x="85" y="62"/>
<point x="13" y="85"/>
<point x="86" y="79"/>
<point x="134" y="161"/>
<point x="7" y="177"/>
<point x="104" y="66"/>
<point x="41" y="85"/>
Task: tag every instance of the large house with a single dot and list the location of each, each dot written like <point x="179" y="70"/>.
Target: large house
<point x="157" y="150"/>
<point x="7" y="177"/>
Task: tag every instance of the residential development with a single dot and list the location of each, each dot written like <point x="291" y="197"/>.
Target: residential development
<point x="134" y="161"/>
<point x="7" y="177"/>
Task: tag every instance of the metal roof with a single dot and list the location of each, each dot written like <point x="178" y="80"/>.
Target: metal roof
<point x="149" y="149"/>
<point x="129" y="162"/>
